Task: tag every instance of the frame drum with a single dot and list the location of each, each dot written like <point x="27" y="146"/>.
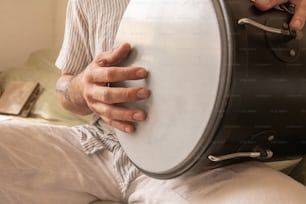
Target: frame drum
<point x="228" y="84"/>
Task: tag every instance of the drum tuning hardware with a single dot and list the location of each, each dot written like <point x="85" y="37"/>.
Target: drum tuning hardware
<point x="265" y="154"/>
<point x="286" y="7"/>
<point x="289" y="33"/>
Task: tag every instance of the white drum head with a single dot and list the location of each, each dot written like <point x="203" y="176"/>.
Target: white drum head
<point x="179" y="42"/>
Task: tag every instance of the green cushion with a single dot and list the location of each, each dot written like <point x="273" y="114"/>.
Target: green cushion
<point x="40" y="67"/>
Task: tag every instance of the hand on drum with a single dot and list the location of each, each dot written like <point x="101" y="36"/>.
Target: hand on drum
<point x="103" y="100"/>
<point x="298" y="20"/>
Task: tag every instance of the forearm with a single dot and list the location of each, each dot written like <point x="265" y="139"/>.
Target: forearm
<point x="69" y="92"/>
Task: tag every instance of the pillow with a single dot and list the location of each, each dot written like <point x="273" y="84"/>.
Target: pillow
<point x="40" y="67"/>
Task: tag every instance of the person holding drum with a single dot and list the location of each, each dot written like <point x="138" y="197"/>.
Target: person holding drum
<point x="47" y="164"/>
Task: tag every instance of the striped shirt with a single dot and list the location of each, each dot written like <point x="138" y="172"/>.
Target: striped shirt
<point x="91" y="27"/>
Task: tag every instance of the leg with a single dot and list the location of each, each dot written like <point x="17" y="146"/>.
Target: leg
<point x="246" y="183"/>
<point x="45" y="164"/>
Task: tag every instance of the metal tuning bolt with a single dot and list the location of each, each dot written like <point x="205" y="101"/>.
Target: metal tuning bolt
<point x="265" y="154"/>
<point x="289" y="33"/>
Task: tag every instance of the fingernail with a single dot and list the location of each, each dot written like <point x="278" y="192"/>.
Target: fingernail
<point x="129" y="129"/>
<point x="143" y="93"/>
<point x="297" y="24"/>
<point x="139" y="116"/>
<point x="141" y="73"/>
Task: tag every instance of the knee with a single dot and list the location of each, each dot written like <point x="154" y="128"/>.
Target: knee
<point x="255" y="183"/>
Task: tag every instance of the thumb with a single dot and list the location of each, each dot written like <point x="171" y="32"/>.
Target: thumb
<point x="299" y="17"/>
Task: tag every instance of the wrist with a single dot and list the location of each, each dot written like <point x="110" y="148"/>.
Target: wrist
<point x="62" y="87"/>
<point x="69" y="90"/>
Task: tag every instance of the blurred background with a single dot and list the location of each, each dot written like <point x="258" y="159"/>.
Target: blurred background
<point x="27" y="26"/>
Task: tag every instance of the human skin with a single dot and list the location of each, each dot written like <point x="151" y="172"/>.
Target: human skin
<point x="88" y="92"/>
<point x="299" y="17"/>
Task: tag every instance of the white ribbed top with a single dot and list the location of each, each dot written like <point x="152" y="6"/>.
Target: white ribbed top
<point x="91" y="27"/>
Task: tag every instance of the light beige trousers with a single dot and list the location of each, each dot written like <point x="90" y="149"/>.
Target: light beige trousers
<point x="42" y="164"/>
